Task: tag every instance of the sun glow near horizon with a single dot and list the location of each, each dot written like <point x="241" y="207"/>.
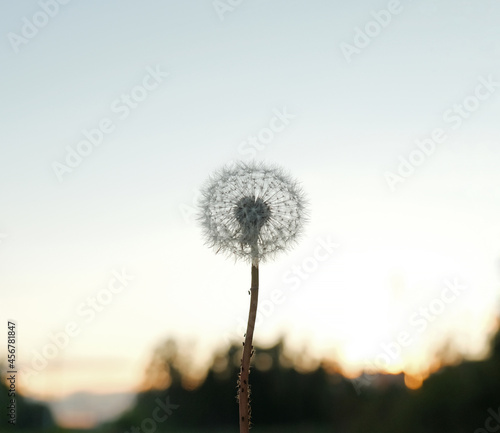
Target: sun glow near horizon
<point x="395" y="310"/>
<point x="366" y="307"/>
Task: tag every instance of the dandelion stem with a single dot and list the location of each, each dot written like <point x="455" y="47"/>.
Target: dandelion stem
<point x="244" y="387"/>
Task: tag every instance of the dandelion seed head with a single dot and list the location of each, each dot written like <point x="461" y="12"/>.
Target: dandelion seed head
<point x="252" y="211"/>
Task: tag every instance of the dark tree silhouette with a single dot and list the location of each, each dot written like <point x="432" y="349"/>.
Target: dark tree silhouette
<point x="455" y="399"/>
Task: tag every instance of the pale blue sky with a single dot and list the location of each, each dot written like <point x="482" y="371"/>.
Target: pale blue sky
<point x="349" y="123"/>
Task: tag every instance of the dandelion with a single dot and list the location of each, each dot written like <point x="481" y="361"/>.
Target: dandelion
<point x="251" y="211"/>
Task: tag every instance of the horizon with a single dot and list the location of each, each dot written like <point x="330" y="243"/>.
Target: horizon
<point x="90" y="409"/>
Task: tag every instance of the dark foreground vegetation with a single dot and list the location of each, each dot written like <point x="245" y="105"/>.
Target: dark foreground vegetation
<point x="463" y="398"/>
<point x="456" y="399"/>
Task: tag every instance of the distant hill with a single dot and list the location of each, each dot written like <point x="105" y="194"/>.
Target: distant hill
<point x="85" y="409"/>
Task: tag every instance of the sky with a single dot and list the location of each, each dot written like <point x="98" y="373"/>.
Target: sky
<point x="115" y="113"/>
